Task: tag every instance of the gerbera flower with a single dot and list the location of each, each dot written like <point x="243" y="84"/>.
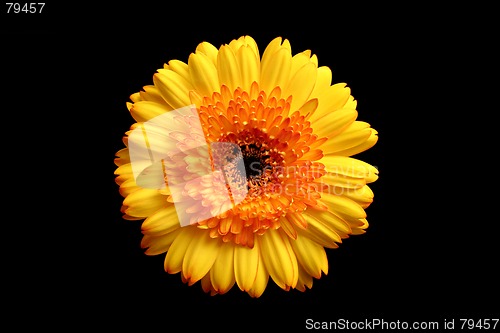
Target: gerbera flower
<point x="240" y="166"/>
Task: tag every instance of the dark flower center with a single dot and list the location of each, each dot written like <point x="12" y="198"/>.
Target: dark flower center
<point x="255" y="159"/>
<point x="252" y="161"/>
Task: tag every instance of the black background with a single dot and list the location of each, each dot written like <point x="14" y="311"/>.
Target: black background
<point x="430" y="253"/>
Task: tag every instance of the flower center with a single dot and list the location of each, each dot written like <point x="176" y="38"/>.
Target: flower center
<point x="256" y="160"/>
<point x="260" y="171"/>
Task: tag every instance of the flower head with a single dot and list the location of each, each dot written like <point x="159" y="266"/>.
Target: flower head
<point x="240" y="166"/>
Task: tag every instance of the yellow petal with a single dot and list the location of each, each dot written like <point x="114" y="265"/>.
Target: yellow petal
<point x="299" y="60"/>
<point x="180" y="68"/>
<point x="177" y="251"/>
<point x="135" y="97"/>
<point x="352" y="221"/>
<point x="152" y="94"/>
<point x="131" y="218"/>
<point x="146" y="110"/>
<point x="360" y="229"/>
<point x="173" y="88"/>
<point x="343" y="181"/>
<point x="128" y="186"/>
<point x="228" y="69"/>
<point x="129" y="105"/>
<point x="261" y="279"/>
<point x="124" y="169"/>
<point x="310" y="255"/>
<point x="122" y="157"/>
<point x="144" y="202"/>
<point x="334" y="123"/>
<point x="125" y="176"/>
<point x="355" y="134"/>
<point x="314" y="60"/>
<point x="209" y="50"/>
<point x="246" y="262"/>
<point x="235" y="44"/>
<point x="332" y="221"/>
<point x="330" y="100"/>
<point x="123" y="173"/>
<point x="305" y="280"/>
<point x="206" y="285"/>
<point x="355" y="145"/>
<point x="323" y="81"/>
<point x="343" y="205"/>
<point x="152" y="175"/>
<point x="250" y="42"/>
<point x="200" y="256"/>
<point x="300" y="85"/>
<point x="275" y="69"/>
<point x="222" y="272"/>
<point x="288" y="227"/>
<point x="249" y="66"/>
<point x="296" y="220"/>
<point x="349" y="166"/>
<point x="158" y="244"/>
<point x="195" y="99"/>
<point x="309" y="107"/>
<point x="279" y="258"/>
<point x="161" y="222"/>
<point x="362" y="196"/>
<point x="152" y="141"/>
<point x="319" y="232"/>
<point x="203" y="74"/>
<point x="271" y="48"/>
<point x="351" y="103"/>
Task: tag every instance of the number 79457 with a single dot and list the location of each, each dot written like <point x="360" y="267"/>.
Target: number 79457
<point x="26" y="7"/>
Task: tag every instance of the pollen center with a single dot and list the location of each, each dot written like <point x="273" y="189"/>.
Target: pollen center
<point x="256" y="160"/>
